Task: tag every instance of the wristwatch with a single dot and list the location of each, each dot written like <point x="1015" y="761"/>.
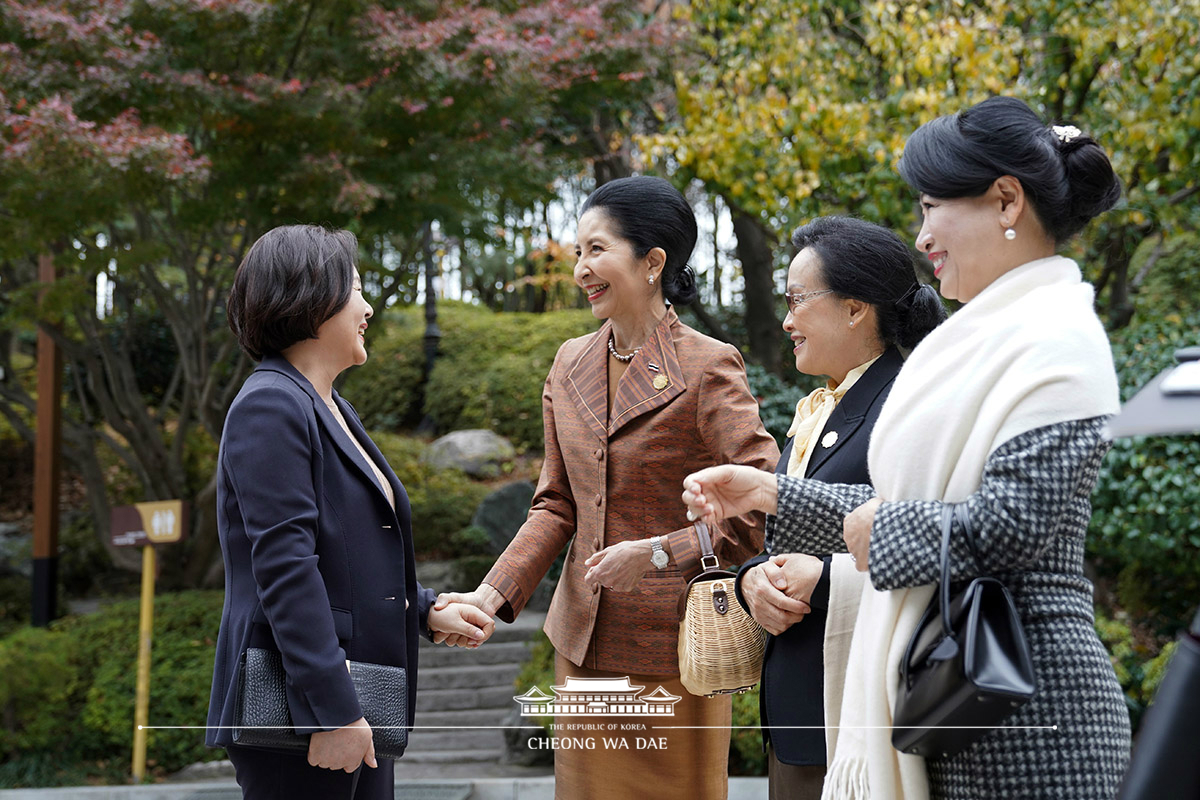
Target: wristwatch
<point x="658" y="556"/>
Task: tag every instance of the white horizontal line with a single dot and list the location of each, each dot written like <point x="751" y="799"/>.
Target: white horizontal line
<point x="866" y="727"/>
<point x="655" y="727"/>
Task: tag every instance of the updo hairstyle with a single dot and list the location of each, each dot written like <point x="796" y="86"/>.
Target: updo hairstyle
<point x="1066" y="175"/>
<point x="863" y="261"/>
<point x="649" y="212"/>
<point x="293" y="279"/>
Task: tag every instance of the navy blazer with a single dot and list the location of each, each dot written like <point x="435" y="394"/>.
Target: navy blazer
<point x="793" y="677"/>
<point x="318" y="564"/>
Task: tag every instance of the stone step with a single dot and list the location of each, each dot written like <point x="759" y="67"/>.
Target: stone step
<point x="448" y="757"/>
<point x="431" y="700"/>
<point x="491" y="652"/>
<point x="467" y="717"/>
<point x="472" y="677"/>
<point x="459" y="739"/>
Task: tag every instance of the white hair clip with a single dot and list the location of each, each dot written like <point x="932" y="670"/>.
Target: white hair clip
<point x="1065" y="133"/>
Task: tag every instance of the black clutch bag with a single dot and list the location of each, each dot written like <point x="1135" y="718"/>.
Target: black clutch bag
<point x="261" y="717"/>
<point x="967" y="666"/>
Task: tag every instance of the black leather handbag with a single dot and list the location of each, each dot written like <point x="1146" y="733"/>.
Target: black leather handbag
<point x="967" y="666"/>
<point x="261" y="717"/>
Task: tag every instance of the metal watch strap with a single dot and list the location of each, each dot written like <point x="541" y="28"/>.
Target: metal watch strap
<point x="658" y="556"/>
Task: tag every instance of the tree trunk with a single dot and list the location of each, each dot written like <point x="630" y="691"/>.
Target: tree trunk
<point x="758" y="271"/>
<point x="1117" y="250"/>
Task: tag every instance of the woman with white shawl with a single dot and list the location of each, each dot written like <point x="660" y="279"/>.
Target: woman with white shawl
<point x="1002" y="407"/>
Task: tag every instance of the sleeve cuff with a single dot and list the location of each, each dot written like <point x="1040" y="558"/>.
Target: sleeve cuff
<point x="514" y="596"/>
<point x="820" y="592"/>
<point x="685" y="552"/>
<point x="330" y="697"/>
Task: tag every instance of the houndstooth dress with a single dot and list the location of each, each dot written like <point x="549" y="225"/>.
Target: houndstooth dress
<point x="1030" y="517"/>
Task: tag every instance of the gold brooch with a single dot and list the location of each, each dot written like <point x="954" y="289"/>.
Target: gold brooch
<point x="829" y="439"/>
<point x="660" y="382"/>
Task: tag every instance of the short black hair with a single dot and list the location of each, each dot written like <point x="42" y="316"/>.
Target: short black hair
<point x="649" y="212"/>
<point x="293" y="279"/>
<point x="867" y="262"/>
<point x="1066" y="175"/>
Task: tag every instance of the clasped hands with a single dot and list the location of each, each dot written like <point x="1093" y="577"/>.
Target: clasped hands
<point x="777" y="591"/>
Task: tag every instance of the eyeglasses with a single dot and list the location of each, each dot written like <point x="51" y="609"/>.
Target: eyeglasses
<point x="794" y="300"/>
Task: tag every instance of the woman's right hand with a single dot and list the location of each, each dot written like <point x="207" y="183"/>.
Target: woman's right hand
<point x="766" y="590"/>
<point x="486" y="597"/>
<point x="718" y="493"/>
<point x="344" y="748"/>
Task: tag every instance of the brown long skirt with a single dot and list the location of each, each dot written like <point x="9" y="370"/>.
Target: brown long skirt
<point x="628" y="756"/>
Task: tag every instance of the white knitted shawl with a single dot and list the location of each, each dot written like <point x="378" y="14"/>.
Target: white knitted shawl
<point x="1027" y="352"/>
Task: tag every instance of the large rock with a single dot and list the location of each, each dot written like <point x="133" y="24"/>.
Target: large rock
<point x="503" y="512"/>
<point x="525" y="742"/>
<point x="480" y="453"/>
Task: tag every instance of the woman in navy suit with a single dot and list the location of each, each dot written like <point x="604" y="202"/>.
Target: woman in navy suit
<point x="314" y="526"/>
<point x="853" y="301"/>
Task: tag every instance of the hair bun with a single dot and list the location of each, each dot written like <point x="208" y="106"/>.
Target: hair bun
<point x="680" y="288"/>
<point x="924" y="312"/>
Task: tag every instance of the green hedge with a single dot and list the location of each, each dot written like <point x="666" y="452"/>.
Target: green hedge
<point x="489" y="373"/>
<point x="68" y="691"/>
<point x="1144" y="507"/>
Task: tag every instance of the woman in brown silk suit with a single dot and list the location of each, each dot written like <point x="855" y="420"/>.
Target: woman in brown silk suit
<point x="629" y="411"/>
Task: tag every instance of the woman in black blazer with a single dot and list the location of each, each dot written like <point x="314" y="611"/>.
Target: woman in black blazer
<point x="314" y="526"/>
<point x="853" y="300"/>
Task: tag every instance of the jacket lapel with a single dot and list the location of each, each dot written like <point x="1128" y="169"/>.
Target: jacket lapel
<point x="849" y="413"/>
<point x="372" y="449"/>
<point x="326" y="418"/>
<point x="587" y="382"/>
<point x="652" y="380"/>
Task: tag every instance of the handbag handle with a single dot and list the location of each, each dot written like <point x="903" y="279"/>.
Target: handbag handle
<point x="707" y="559"/>
<point x="951" y="512"/>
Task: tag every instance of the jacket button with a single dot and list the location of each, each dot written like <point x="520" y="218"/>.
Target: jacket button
<point x="599" y="500"/>
<point x="599" y="454"/>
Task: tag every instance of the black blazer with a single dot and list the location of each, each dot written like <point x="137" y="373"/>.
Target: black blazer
<point x="318" y="565"/>
<point x="793" y="678"/>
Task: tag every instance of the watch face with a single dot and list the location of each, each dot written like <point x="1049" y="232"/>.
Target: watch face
<point x="659" y="559"/>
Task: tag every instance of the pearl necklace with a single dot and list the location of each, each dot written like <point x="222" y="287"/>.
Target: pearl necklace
<point x="612" y="348"/>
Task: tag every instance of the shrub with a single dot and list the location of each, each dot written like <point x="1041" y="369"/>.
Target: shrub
<point x="1149" y="487"/>
<point x="746" y="756"/>
<point x="68" y="690"/>
<point x="489" y="373"/>
<point x="777" y="398"/>
<point x="1138" y="662"/>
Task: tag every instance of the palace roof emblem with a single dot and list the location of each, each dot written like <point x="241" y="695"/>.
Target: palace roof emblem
<point x="597" y="697"/>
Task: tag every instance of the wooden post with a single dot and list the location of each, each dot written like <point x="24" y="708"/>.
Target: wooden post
<point x="141" y="707"/>
<point x="46" y="469"/>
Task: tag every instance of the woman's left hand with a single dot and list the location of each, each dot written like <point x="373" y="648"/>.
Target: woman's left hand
<point x="856" y="530"/>
<point x="619" y="567"/>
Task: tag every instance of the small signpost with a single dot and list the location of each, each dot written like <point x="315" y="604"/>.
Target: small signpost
<point x="145" y="525"/>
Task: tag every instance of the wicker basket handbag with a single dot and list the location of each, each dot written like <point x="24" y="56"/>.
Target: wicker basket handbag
<point x="720" y="646"/>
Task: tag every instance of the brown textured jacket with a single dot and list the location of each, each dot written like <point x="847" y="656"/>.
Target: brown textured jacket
<point x="612" y="478"/>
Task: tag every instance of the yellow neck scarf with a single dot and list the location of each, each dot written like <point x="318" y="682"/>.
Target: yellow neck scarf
<point x="812" y="413"/>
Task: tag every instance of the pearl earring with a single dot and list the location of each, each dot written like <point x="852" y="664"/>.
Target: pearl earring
<point x="851" y="324"/>
<point x="1010" y="234"/>
<point x="650" y="280"/>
